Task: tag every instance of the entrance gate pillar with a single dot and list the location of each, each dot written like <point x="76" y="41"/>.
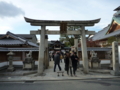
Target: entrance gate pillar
<point x="41" y="51"/>
<point x="84" y="50"/>
<point x="115" y="58"/>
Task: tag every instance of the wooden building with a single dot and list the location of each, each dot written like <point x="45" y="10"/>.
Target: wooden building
<point x="101" y="42"/>
<point x="20" y="44"/>
<point x="56" y="45"/>
<point x="110" y="33"/>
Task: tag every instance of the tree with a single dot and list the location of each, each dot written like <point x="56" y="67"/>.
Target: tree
<point x="69" y="39"/>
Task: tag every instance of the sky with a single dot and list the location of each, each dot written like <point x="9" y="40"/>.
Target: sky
<point x="12" y="13"/>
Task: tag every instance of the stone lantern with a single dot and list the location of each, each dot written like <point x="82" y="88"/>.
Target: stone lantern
<point x="10" y="58"/>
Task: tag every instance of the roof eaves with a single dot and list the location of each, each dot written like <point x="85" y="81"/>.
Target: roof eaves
<point x="116" y="9"/>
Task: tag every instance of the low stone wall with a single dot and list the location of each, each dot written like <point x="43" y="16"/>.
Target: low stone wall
<point x="100" y="54"/>
<point x="3" y="65"/>
<point x="15" y="63"/>
<point x="103" y="61"/>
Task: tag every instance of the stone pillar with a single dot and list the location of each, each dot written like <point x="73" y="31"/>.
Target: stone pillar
<point x="41" y="51"/>
<point x="115" y="58"/>
<point x="46" y="52"/>
<point x="84" y="50"/>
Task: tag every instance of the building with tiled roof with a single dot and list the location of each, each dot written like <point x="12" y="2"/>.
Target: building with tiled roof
<point x="112" y="31"/>
<point x="56" y="45"/>
<point x="19" y="44"/>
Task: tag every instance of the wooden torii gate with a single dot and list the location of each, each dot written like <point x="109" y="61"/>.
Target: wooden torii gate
<point x="43" y="32"/>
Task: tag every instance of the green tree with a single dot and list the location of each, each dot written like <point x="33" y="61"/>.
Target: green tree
<point x="69" y="39"/>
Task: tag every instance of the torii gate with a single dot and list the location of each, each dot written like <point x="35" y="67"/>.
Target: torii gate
<point x="43" y="31"/>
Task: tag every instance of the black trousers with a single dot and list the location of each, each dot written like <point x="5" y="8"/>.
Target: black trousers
<point x="74" y="69"/>
<point x="69" y="68"/>
<point x="58" y="67"/>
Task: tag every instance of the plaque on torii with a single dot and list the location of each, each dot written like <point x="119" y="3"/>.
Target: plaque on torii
<point x="63" y="30"/>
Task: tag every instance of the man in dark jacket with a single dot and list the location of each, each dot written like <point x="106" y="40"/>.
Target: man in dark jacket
<point x="57" y="61"/>
<point x="74" y="59"/>
<point x="68" y="63"/>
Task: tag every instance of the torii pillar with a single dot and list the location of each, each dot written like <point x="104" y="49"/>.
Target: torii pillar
<point x="84" y="50"/>
<point x="41" y="51"/>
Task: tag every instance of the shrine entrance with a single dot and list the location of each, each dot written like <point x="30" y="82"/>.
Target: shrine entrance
<point x="43" y="61"/>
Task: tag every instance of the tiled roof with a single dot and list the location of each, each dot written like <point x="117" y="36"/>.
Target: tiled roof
<point x="10" y="42"/>
<point x="25" y="36"/>
<point x="32" y="44"/>
<point x="17" y="40"/>
<point x="118" y="8"/>
<point x="102" y="34"/>
<point x="30" y="37"/>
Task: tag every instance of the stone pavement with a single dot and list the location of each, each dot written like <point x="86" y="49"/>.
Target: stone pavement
<point x="31" y="75"/>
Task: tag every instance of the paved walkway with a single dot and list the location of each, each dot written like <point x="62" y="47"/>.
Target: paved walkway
<point x="25" y="75"/>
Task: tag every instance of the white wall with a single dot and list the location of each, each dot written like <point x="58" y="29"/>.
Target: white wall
<point x="2" y="64"/>
<point x="102" y="62"/>
<point x="21" y="63"/>
<point x="17" y="63"/>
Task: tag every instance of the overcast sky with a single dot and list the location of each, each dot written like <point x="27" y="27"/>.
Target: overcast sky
<point x="12" y="13"/>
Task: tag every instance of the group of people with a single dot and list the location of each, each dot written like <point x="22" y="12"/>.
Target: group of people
<point x="70" y="60"/>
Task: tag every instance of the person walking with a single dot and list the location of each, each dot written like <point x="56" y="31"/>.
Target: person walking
<point x="57" y="61"/>
<point x="74" y="59"/>
<point x="68" y="63"/>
